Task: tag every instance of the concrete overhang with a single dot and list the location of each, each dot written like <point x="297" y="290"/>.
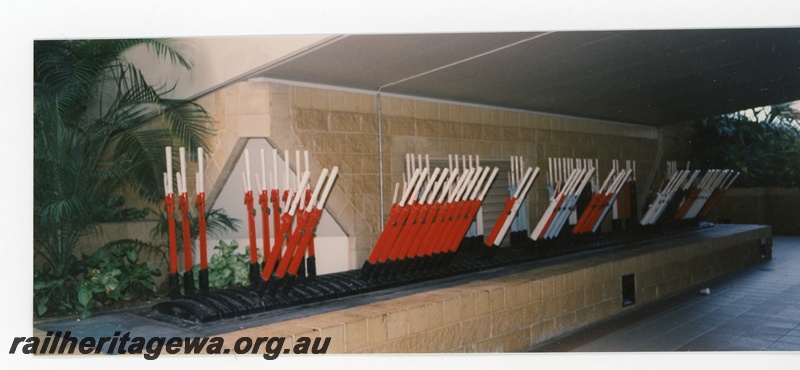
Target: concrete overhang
<point x="653" y="77"/>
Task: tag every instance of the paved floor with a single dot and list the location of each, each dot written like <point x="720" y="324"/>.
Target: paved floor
<point x="757" y="309"/>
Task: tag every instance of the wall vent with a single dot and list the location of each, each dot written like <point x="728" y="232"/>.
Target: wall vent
<point x="628" y="290"/>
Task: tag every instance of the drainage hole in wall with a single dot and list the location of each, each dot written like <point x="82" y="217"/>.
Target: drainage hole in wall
<point x="628" y="290"/>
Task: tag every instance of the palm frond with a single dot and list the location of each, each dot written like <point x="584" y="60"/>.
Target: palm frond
<point x="217" y="224"/>
<point x="90" y="102"/>
<point x="145" y="151"/>
<point x="188" y="123"/>
<point x="163" y="48"/>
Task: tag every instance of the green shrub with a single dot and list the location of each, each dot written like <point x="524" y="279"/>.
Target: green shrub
<point x="227" y="269"/>
<point x="108" y="278"/>
<point x="765" y="151"/>
<point x="100" y="129"/>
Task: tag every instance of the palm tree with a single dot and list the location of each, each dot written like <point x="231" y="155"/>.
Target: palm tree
<point x="99" y="127"/>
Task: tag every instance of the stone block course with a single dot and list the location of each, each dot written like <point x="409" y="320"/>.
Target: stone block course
<point x="495" y="315"/>
<point x="435" y="313"/>
<point x="497" y="298"/>
<point x="378" y="329"/>
<point x="418" y="319"/>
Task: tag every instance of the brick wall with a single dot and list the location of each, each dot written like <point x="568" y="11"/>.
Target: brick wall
<point x="776" y="207"/>
<point x="341" y="128"/>
<point x="518" y="311"/>
<point x="678" y="144"/>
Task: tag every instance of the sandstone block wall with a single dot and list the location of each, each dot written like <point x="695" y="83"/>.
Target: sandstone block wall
<point x="341" y="128"/>
<point x="516" y="312"/>
<point x="776" y="207"/>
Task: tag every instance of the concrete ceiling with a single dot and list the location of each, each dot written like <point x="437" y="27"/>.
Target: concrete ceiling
<point x="642" y="77"/>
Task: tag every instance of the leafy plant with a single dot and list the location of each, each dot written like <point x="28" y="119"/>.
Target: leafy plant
<point x="227" y="269"/>
<point x="55" y="291"/>
<point x="92" y="109"/>
<point x="107" y="278"/>
<point x="766" y="151"/>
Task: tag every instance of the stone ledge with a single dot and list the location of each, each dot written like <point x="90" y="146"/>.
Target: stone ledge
<point x="515" y="312"/>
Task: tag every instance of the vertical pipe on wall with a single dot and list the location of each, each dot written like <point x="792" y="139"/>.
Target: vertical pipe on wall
<point x="380" y="154"/>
